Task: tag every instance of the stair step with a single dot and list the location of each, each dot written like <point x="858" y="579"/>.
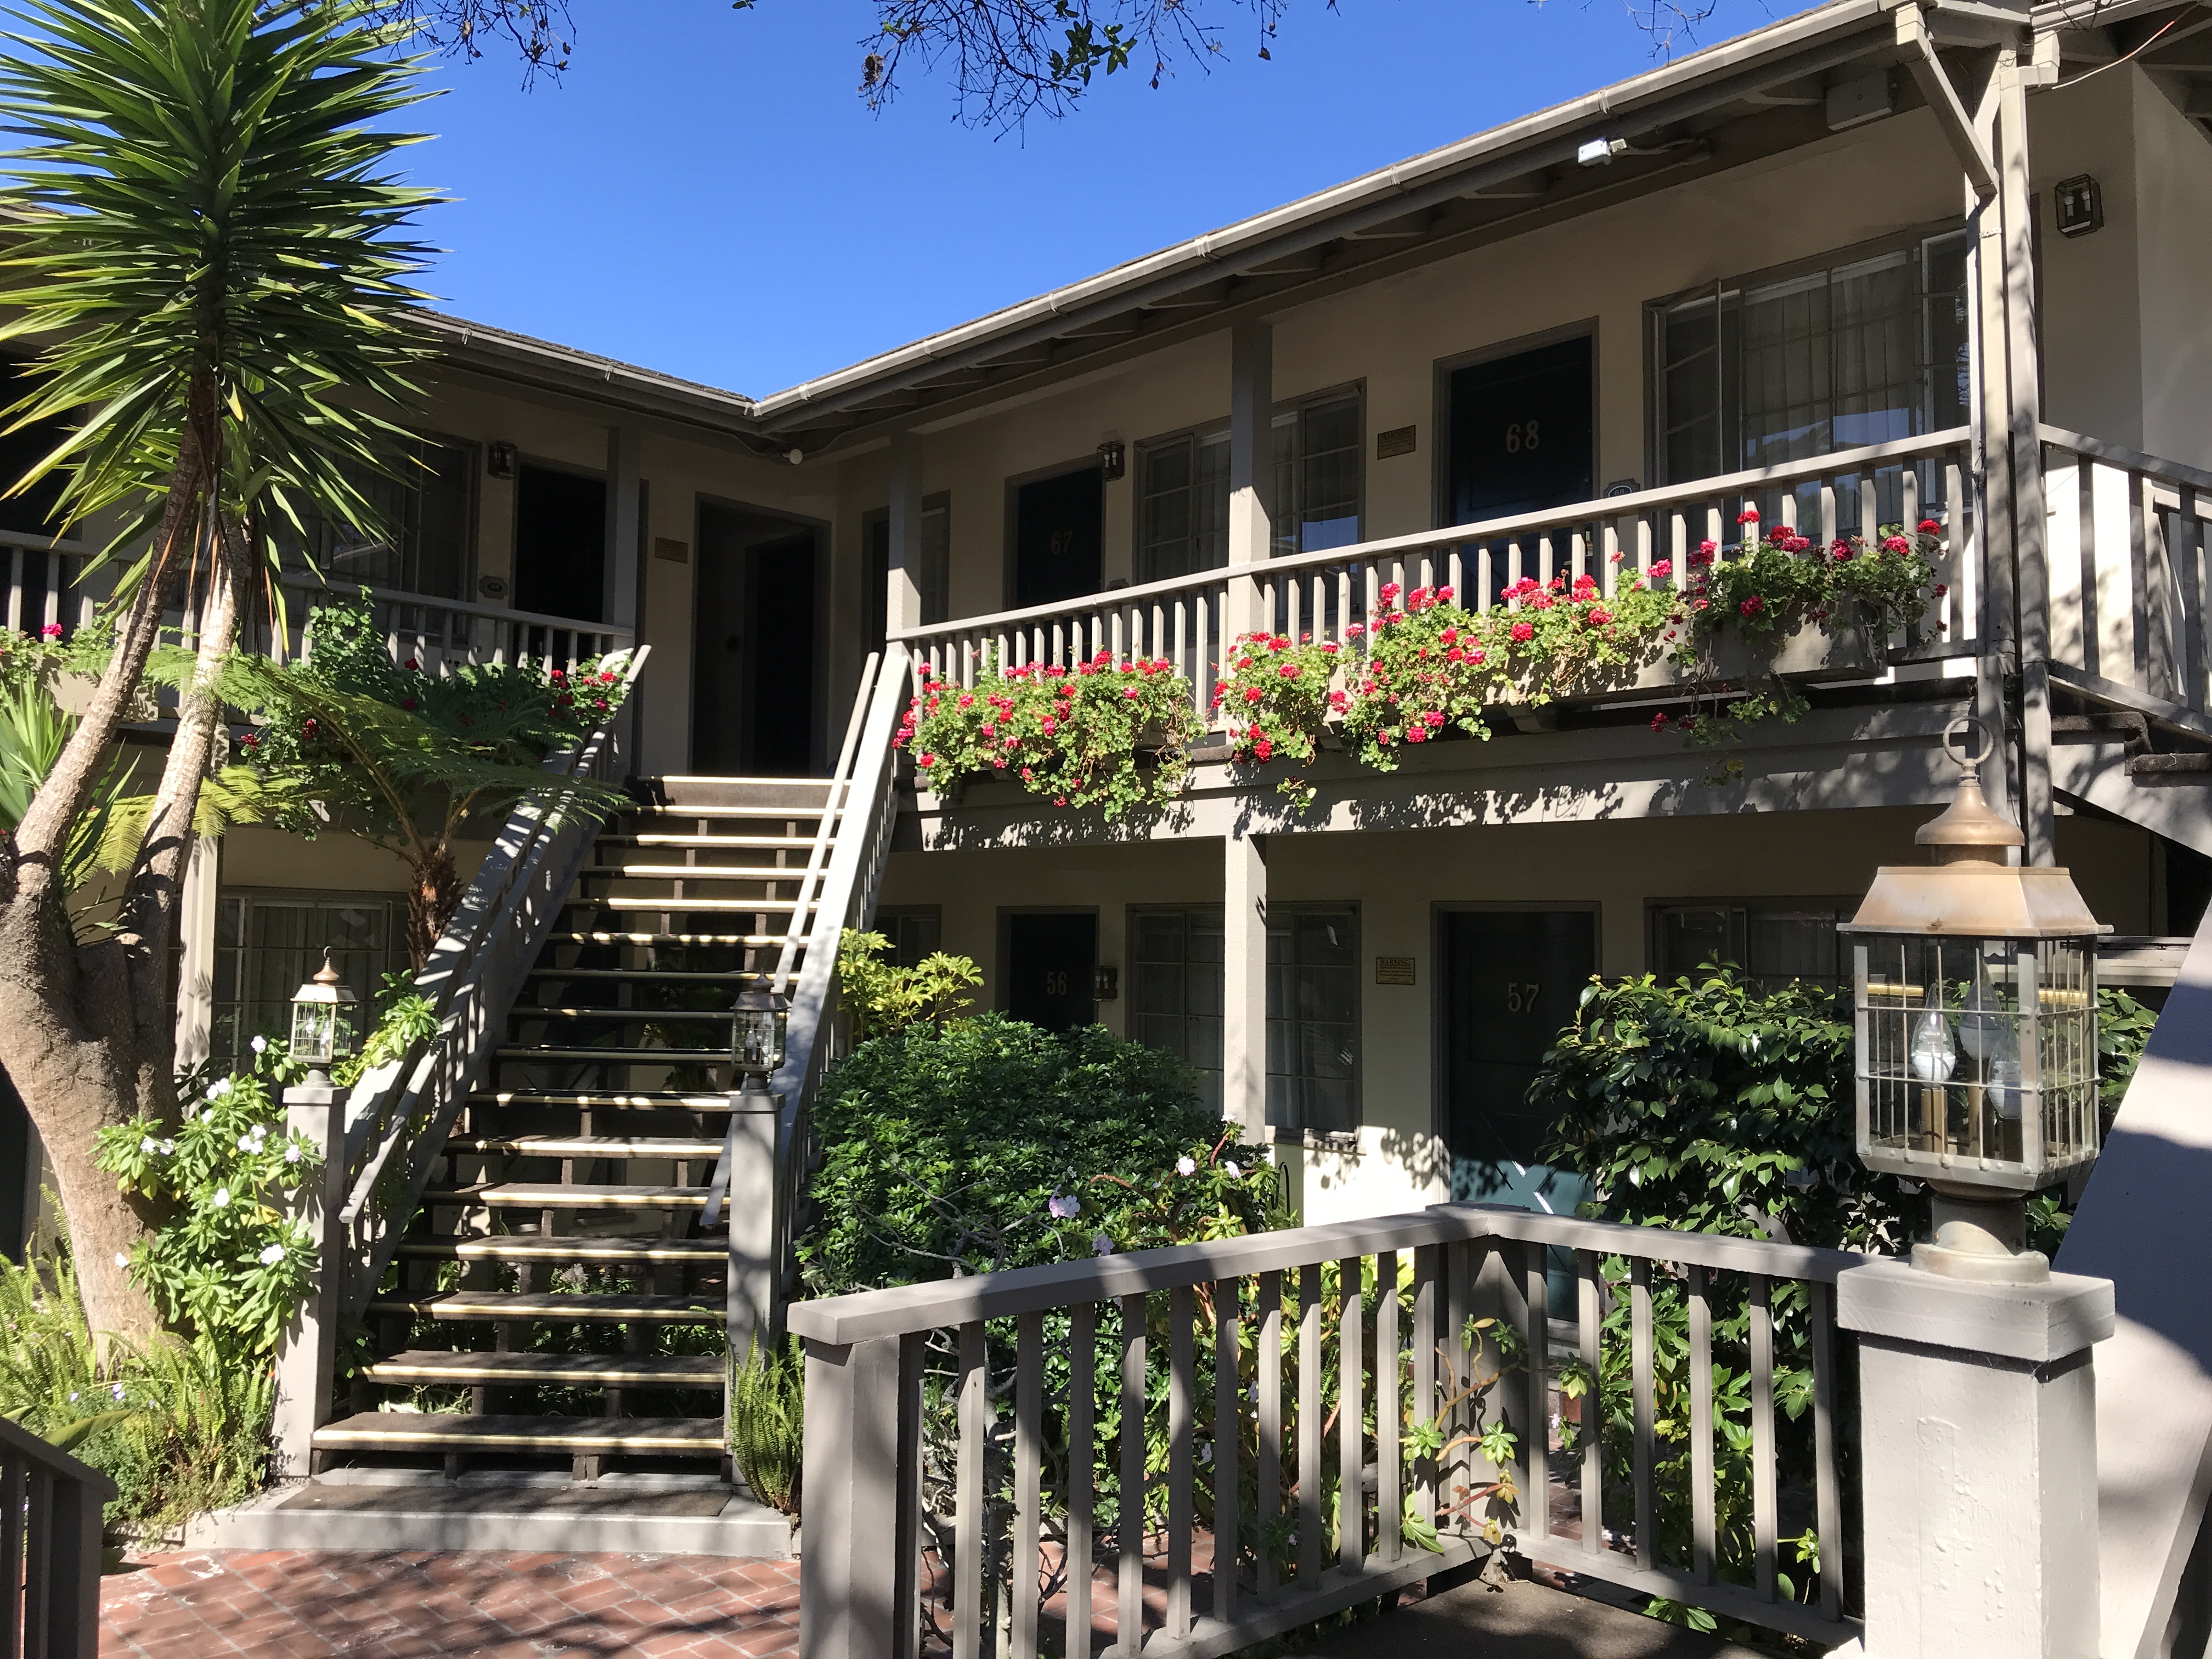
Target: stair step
<point x="743" y="843"/>
<point x="595" y="1370"/>
<point x="570" y="1195"/>
<point x="657" y="975"/>
<point x="2156" y="766"/>
<point x="520" y="1051"/>
<point x="778" y="873"/>
<point x="591" y="937"/>
<point x="610" y="1146"/>
<point x="529" y="1247"/>
<point x="668" y="901"/>
<point x="456" y="1431"/>
<point x="621" y="1016"/>
<point x="558" y="1307"/>
<point x="657" y="1100"/>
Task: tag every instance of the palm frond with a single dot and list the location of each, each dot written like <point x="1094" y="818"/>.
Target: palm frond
<point x="236" y="795"/>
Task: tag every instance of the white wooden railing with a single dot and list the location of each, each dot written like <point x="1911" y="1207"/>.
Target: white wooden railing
<point x="929" y="1524"/>
<point x="1187" y="620"/>
<point x="50" y="1525"/>
<point x="438" y="633"/>
<point x="2128" y="588"/>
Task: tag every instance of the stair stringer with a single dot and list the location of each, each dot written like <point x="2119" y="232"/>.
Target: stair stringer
<point x="2096" y="775"/>
<point x="2144" y="1224"/>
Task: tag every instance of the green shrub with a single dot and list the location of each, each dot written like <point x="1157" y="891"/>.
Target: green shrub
<point x="989" y="1143"/>
<point x="767" y="1423"/>
<point x="879" y="997"/>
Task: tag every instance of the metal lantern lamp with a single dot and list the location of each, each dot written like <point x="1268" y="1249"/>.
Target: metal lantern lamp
<point x="757" y="1023"/>
<point x="323" y="1021"/>
<point x="1976" y="1000"/>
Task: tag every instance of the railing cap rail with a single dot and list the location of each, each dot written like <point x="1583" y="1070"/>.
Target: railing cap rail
<point x="901" y="1310"/>
<point x="2100" y="449"/>
<point x="301" y="582"/>
<point x="14" y="1438"/>
<point x="1600" y="510"/>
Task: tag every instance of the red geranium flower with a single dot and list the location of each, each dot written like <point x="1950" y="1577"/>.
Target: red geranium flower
<point x="1751" y="606"/>
<point x="1929" y="527"/>
<point x="1524" y="631"/>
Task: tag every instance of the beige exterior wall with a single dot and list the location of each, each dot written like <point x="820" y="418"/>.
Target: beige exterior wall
<point x="1400" y="878"/>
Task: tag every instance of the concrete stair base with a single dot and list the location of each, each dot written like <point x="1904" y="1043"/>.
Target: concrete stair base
<point x="615" y="1516"/>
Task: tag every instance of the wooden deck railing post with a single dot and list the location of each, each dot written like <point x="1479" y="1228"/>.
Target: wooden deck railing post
<point x="849" y="1595"/>
<point x="1979" y="1461"/>
<point x="306" y="1352"/>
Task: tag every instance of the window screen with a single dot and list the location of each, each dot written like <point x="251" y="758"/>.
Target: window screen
<point x="1174" y="988"/>
<point x="268" y="945"/>
<point x="1774" y="941"/>
<point x="1756" y="374"/>
<point x="1182" y="514"/>
<point x="1313" y="1017"/>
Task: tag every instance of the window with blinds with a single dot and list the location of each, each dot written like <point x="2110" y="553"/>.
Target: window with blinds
<point x="1314" y="500"/>
<point x="427" y="541"/>
<point x="269" y="944"/>
<point x="1774" y="942"/>
<point x="1174" y="988"/>
<point x="1755" y="374"/>
<point x="1313" y="1017"/>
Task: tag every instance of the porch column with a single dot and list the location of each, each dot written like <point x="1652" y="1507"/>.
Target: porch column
<point x="623" y="604"/>
<point x="902" y="599"/>
<point x="1251" y="469"/>
<point x="2032" y="576"/>
<point x="1977" y="1408"/>
<point x="196" y="931"/>
<point x="1244" y="982"/>
<point x="1989" y="331"/>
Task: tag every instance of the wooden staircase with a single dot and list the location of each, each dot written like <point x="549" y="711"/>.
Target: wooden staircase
<point x="555" y="1296"/>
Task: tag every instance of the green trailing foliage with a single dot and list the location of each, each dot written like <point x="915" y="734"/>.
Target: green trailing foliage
<point x="767" y="1423"/>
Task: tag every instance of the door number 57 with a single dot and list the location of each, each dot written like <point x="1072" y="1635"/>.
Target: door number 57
<point x="1520" y="999"/>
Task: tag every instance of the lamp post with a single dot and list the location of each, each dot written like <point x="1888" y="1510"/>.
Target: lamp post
<point x="322" y="1023"/>
<point x="1975" y="996"/>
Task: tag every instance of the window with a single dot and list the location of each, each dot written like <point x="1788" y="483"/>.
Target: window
<point x="32" y="512"/>
<point x="430" y="511"/>
<point x="1176" y="988"/>
<point x="1758" y="374"/>
<point x="1313" y="1017"/>
<point x="560" y="543"/>
<point x="933" y="579"/>
<point x="1183" y="515"/>
<point x="914" y="933"/>
<point x="267" y="945"/>
<point x="1775" y="941"/>
<point x="1182" y="486"/>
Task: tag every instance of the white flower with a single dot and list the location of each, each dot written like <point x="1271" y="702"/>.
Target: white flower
<point x="117" y="1391"/>
<point x="168" y="1146"/>
<point x="222" y="1197"/>
<point x="1186" y="1166"/>
<point x="245" y="1144"/>
<point x="291" y="1154"/>
<point x="121" y="1260"/>
<point x="72" y="1396"/>
<point x="1101" y="1245"/>
<point x="260" y="1045"/>
<point x="148" y="1145"/>
<point x="272" y="1256"/>
<point x="1230" y="1169"/>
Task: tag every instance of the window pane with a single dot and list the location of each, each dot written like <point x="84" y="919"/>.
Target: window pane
<point x="936" y="577"/>
<point x="1313" y="1009"/>
<point x="1689" y="936"/>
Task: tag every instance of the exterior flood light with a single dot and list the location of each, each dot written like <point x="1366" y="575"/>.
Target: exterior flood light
<point x="1975" y="984"/>
<point x="1599" y="151"/>
<point x="323" y="1022"/>
<point x="758" y="1021"/>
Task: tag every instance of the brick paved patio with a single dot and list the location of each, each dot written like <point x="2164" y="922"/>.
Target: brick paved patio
<point x="285" y="1604"/>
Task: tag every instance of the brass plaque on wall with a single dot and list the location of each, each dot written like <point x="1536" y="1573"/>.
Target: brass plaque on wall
<point x="1393" y="970"/>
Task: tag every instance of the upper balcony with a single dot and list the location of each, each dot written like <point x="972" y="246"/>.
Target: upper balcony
<point x="2114" y="538"/>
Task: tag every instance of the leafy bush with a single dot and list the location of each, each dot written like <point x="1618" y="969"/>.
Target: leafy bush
<point x="988" y="1142"/>
<point x="768" y="1424"/>
<point x="878" y="997"/>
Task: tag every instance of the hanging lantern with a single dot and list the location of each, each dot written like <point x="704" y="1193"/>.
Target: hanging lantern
<point x="758" y="1023"/>
<point x="323" y="1016"/>
<point x="1976" y="1004"/>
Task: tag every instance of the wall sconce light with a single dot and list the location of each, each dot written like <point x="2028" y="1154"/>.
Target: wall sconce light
<point x="1113" y="460"/>
<point x="500" y="459"/>
<point x="1105" y="982"/>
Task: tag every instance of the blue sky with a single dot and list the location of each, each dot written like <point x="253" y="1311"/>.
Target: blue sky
<point x="703" y="193"/>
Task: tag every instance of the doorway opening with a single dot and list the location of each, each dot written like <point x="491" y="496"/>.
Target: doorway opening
<point x="1059" y="536"/>
<point x="1522" y="433"/>
<point x="755" y="702"/>
<point x="1051" y="961"/>
<point x="560" y="543"/>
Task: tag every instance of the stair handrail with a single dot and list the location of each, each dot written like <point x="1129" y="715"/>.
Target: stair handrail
<point x="832" y="808"/>
<point x="473" y="977"/>
<point x="852" y="880"/>
<point x="49" y="1546"/>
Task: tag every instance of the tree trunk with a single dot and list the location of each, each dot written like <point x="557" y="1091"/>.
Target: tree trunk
<point x="87" y="1035"/>
<point x="433" y="896"/>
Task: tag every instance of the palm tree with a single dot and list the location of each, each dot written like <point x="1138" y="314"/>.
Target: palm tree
<point x="214" y="261"/>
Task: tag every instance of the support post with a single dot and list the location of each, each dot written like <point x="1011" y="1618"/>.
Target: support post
<point x="2032" y="578"/>
<point x="1991" y="390"/>
<point x="902" y="600"/>
<point x="196" y="932"/>
<point x="1251" y="471"/>
<point x="1979" y="1408"/>
<point x="624" y="487"/>
<point x="848" y="1596"/>
<point x="749" y="1202"/>
<point x="1244" y="982"/>
<point x="306" y="1352"/>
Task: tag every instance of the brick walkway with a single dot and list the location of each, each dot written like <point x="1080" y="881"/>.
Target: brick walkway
<point x="286" y="1604"/>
